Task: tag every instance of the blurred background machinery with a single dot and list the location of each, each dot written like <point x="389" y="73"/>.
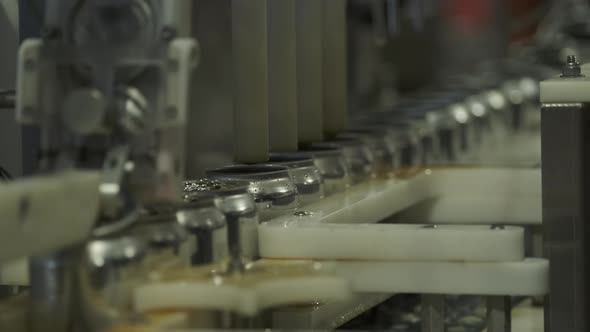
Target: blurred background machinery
<point x="306" y="164"/>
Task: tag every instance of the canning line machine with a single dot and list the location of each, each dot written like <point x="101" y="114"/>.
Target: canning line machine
<point x="351" y="198"/>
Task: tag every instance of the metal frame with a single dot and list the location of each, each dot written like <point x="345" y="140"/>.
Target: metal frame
<point x="566" y="158"/>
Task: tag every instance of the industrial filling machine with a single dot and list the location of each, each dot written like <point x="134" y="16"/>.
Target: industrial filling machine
<point x="174" y="165"/>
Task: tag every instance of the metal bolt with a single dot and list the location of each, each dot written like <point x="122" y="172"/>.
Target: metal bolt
<point x="572" y="67"/>
<point x="30" y="64"/>
<point x="173" y="65"/>
<point x="168" y="33"/>
<point x="171" y="112"/>
<point x="302" y="214"/>
<point x="571" y="59"/>
<point x="430" y="226"/>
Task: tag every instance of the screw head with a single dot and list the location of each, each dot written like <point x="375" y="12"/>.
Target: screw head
<point x="50" y="32"/>
<point x="168" y="33"/>
<point x="572" y="67"/>
<point x="30" y="64"/>
<point x="303" y="214"/>
<point x="430" y="226"/>
<point x="571" y="59"/>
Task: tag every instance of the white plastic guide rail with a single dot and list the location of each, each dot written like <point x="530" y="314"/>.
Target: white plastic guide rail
<point x="454" y="250"/>
<point x="395" y="242"/>
<point x="522" y="278"/>
<point x="480" y="196"/>
<point x="343" y="226"/>
<point x="263" y="285"/>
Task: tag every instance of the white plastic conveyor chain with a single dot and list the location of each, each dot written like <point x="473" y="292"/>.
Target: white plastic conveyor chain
<point x="389" y="259"/>
<point x="374" y="282"/>
<point x="342" y="226"/>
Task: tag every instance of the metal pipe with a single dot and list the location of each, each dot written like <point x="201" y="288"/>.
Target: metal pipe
<point x="250" y="50"/>
<point x="499" y="313"/>
<point x="282" y="63"/>
<point x="433" y="313"/>
<point x="309" y="71"/>
<point x="181" y="15"/>
<point x="53" y="279"/>
<point x="335" y="67"/>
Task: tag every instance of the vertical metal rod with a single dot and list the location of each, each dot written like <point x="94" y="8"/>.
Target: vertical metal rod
<point x="380" y="30"/>
<point x="433" y="313"/>
<point x="52" y="291"/>
<point x="499" y="313"/>
<point x="234" y="242"/>
<point x="309" y="71"/>
<point x="282" y="66"/>
<point x="335" y="64"/>
<point x="250" y="53"/>
<point x="184" y="15"/>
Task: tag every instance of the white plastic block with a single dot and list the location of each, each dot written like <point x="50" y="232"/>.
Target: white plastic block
<point x="390" y="242"/>
<point x="526" y="278"/>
